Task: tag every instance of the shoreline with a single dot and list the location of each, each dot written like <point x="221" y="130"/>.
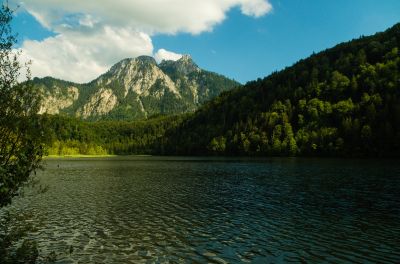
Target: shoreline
<point x="78" y="156"/>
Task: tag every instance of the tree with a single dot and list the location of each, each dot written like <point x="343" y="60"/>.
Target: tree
<point x="21" y="129"/>
<point x="218" y="145"/>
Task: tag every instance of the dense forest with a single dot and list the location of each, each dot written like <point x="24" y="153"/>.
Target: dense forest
<point x="71" y="136"/>
<point x="344" y="101"/>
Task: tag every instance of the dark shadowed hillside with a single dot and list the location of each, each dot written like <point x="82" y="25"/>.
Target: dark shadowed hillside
<point x="342" y="101"/>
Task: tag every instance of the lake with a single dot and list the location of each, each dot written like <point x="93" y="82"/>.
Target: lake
<point x="217" y="210"/>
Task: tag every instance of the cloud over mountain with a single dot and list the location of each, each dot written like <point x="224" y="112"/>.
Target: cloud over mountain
<point x="93" y="34"/>
<point x="163" y="54"/>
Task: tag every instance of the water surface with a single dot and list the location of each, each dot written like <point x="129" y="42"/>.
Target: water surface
<point x="215" y="210"/>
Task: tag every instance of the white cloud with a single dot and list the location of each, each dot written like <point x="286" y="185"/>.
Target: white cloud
<point x="163" y="54"/>
<point x="80" y="57"/>
<point x="94" y="34"/>
<point x="256" y="8"/>
<point x="151" y="16"/>
<point x="88" y="21"/>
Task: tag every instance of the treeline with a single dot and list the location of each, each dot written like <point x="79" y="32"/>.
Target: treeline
<point x="71" y="136"/>
<point x="344" y="101"/>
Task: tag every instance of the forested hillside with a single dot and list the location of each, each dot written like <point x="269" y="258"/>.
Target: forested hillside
<point x="344" y="101"/>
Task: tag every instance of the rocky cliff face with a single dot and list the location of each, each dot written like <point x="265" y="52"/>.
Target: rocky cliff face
<point x="58" y="98"/>
<point x="134" y="89"/>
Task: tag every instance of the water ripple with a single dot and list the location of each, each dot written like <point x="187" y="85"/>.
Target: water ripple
<point x="180" y="210"/>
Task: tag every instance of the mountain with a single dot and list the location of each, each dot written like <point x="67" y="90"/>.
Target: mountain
<point x="135" y="89"/>
<point x="342" y="102"/>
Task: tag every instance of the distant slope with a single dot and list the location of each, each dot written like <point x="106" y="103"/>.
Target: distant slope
<point x="135" y="89"/>
<point x="344" y="101"/>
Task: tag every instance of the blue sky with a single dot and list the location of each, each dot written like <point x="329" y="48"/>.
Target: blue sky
<point x="241" y="46"/>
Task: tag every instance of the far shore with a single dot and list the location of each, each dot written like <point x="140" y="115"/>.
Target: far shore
<point x="90" y="156"/>
<point x="77" y="156"/>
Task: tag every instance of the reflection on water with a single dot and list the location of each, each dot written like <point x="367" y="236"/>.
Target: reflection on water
<point x="152" y="209"/>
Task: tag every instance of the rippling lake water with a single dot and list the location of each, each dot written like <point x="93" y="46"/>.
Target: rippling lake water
<point x="215" y="210"/>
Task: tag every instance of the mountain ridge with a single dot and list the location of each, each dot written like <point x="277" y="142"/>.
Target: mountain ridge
<point x="135" y="88"/>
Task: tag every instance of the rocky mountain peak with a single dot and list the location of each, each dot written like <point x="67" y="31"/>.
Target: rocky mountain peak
<point x="136" y="88"/>
<point x="146" y="60"/>
<point x="187" y="64"/>
<point x="133" y="62"/>
<point x="184" y="65"/>
<point x="137" y="75"/>
<point x="186" y="58"/>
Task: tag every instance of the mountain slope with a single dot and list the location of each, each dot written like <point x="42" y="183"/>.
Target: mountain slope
<point x="135" y="89"/>
<point x="342" y="101"/>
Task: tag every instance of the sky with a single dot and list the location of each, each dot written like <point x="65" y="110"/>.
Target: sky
<point x="244" y="40"/>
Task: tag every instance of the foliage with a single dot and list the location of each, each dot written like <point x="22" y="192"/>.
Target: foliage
<point x="344" y="101"/>
<point x="21" y="146"/>
<point x="20" y="128"/>
<point x="71" y="136"/>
